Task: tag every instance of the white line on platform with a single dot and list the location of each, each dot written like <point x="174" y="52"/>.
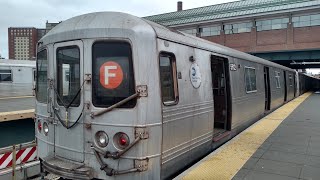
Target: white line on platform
<point x="16" y="97"/>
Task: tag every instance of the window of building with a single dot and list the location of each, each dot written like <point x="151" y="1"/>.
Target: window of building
<point x="237" y="28"/>
<point x="190" y="31"/>
<point x="112" y="58"/>
<point x="250" y="78"/>
<point x="306" y="20"/>
<point x="168" y="79"/>
<point x="68" y="58"/>
<point x="277" y="77"/>
<point x="272" y="24"/>
<point x="5" y="75"/>
<point x="210" y="31"/>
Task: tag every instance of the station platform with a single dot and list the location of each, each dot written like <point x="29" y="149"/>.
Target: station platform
<point x="15" y="108"/>
<point x="284" y="145"/>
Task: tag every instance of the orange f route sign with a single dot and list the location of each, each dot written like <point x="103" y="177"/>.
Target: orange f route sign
<point x="111" y="75"/>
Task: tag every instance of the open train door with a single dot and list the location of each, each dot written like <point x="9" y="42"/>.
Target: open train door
<point x="285" y="86"/>
<point x="221" y="94"/>
<point x="267" y="88"/>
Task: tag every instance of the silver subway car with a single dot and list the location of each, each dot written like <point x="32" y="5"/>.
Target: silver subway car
<point x="143" y="101"/>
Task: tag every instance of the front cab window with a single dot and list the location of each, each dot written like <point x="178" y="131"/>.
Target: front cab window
<point x="113" y="76"/>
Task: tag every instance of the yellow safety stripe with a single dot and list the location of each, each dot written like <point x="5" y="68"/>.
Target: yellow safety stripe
<point x="229" y="159"/>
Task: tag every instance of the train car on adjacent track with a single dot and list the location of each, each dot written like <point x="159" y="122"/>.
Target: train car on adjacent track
<point x="17" y="77"/>
<point x="143" y="101"/>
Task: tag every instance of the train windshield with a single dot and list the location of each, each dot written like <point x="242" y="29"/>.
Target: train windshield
<point x="41" y="77"/>
<point x="112" y="74"/>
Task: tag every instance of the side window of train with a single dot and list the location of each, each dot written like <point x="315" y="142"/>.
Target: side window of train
<point x="5" y="75"/>
<point x="250" y="79"/>
<point x="41" y="76"/>
<point x="168" y="79"/>
<point x="277" y="76"/>
<point x="290" y="80"/>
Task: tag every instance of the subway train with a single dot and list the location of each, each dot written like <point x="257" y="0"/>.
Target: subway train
<point x="17" y="77"/>
<point x="144" y="101"/>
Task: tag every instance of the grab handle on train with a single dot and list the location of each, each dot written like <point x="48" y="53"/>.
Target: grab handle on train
<point x="141" y="91"/>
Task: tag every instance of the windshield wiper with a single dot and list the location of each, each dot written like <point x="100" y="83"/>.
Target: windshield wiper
<point x="142" y="91"/>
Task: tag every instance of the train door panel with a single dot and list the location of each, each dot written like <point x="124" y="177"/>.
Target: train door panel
<point x="68" y="100"/>
<point x="220" y="85"/>
<point x="267" y="88"/>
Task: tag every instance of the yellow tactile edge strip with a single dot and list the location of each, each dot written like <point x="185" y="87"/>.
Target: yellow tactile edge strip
<point x="16" y="115"/>
<point x="226" y="161"/>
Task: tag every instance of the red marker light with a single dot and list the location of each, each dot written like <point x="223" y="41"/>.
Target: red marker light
<point x="39" y="126"/>
<point x="121" y="140"/>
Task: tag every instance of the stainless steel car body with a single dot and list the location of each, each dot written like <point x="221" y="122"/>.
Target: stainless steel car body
<point x="178" y="134"/>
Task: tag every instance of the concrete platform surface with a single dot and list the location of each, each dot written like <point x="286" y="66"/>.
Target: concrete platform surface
<point x="292" y="151"/>
<point x="8" y="104"/>
<point x="283" y="145"/>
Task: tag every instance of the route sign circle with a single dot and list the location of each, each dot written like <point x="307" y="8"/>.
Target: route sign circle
<point x="111" y="75"/>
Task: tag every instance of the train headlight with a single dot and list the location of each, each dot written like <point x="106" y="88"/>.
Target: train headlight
<point x="39" y="126"/>
<point x="101" y="139"/>
<point x="121" y="140"/>
<point x="45" y="128"/>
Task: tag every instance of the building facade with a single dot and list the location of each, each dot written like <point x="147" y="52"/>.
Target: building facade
<point x="22" y="41"/>
<point x="285" y="31"/>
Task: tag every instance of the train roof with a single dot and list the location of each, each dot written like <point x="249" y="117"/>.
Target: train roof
<point x="97" y="25"/>
<point x="17" y="63"/>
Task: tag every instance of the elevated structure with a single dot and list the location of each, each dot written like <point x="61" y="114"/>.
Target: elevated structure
<point x="284" y="31"/>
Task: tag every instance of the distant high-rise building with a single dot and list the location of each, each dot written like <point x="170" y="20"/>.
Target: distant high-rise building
<point x="22" y="42"/>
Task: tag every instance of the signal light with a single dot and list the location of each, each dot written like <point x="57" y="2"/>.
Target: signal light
<point x="121" y="140"/>
<point x="39" y="126"/>
<point x="45" y="128"/>
<point x="101" y="139"/>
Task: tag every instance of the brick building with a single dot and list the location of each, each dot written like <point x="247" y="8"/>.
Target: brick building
<point x="285" y="31"/>
<point x="22" y="41"/>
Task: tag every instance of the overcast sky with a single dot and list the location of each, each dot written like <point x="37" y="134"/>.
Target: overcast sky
<point x="35" y="13"/>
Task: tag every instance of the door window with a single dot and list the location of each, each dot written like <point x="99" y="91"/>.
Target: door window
<point x="68" y="60"/>
<point x="250" y="78"/>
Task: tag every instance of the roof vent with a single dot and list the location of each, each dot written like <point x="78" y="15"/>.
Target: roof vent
<point x="179" y="6"/>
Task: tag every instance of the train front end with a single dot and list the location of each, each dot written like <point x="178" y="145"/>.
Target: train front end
<point x="98" y="109"/>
